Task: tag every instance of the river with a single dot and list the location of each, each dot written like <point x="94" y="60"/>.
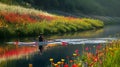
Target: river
<point x="22" y="56"/>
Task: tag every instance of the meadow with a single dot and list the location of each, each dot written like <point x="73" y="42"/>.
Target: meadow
<point x="16" y="21"/>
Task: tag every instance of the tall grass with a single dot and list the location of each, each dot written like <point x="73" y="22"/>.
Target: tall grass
<point x="19" y="21"/>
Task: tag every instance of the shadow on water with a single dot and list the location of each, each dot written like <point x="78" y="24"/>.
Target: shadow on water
<point x="107" y="31"/>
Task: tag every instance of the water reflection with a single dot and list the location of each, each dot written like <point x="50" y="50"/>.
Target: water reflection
<point x="22" y="56"/>
<point x="85" y="34"/>
<point x="107" y="31"/>
<point x="12" y="52"/>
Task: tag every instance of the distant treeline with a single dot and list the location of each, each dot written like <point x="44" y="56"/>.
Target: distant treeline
<point x="89" y="7"/>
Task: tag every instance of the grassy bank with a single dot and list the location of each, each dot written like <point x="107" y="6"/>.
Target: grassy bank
<point x="17" y="21"/>
<point x="106" y="55"/>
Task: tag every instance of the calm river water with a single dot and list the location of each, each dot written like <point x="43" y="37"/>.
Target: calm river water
<point x="22" y="56"/>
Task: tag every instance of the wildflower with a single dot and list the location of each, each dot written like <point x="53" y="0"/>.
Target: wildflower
<point x="76" y="51"/>
<point x="95" y="59"/>
<point x="74" y="54"/>
<point x="56" y="65"/>
<point x="79" y="64"/>
<point x="71" y="61"/>
<point x="66" y="65"/>
<point x="98" y="46"/>
<point x="86" y="48"/>
<point x="58" y="62"/>
<point x="74" y="65"/>
<point x="110" y="49"/>
<point x="51" y="59"/>
<point x="62" y="60"/>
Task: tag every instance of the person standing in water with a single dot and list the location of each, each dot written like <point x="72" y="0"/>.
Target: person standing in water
<point x="41" y="40"/>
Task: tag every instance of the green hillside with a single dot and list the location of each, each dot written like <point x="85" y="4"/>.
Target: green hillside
<point x="89" y="7"/>
<point x="16" y="21"/>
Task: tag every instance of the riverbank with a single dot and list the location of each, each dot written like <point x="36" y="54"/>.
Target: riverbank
<point x="16" y="21"/>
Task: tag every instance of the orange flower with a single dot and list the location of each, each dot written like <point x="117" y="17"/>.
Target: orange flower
<point x="95" y="59"/>
<point x="71" y="61"/>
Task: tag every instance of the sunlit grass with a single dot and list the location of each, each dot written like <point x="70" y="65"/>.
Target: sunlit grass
<point x="21" y="10"/>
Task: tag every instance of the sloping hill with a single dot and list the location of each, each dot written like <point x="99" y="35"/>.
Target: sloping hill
<point x="89" y="7"/>
<point x="19" y="21"/>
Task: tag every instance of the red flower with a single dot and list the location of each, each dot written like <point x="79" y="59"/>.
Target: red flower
<point x="18" y="18"/>
<point x="76" y="51"/>
<point x="66" y="65"/>
<point x="98" y="46"/>
<point x="86" y="48"/>
<point x="74" y="65"/>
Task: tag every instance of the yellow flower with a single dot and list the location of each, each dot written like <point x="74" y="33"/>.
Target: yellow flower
<point x="74" y="54"/>
<point x="55" y="64"/>
<point x="58" y="62"/>
<point x="62" y="60"/>
<point x="110" y="48"/>
<point x="51" y="59"/>
<point x="79" y="64"/>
